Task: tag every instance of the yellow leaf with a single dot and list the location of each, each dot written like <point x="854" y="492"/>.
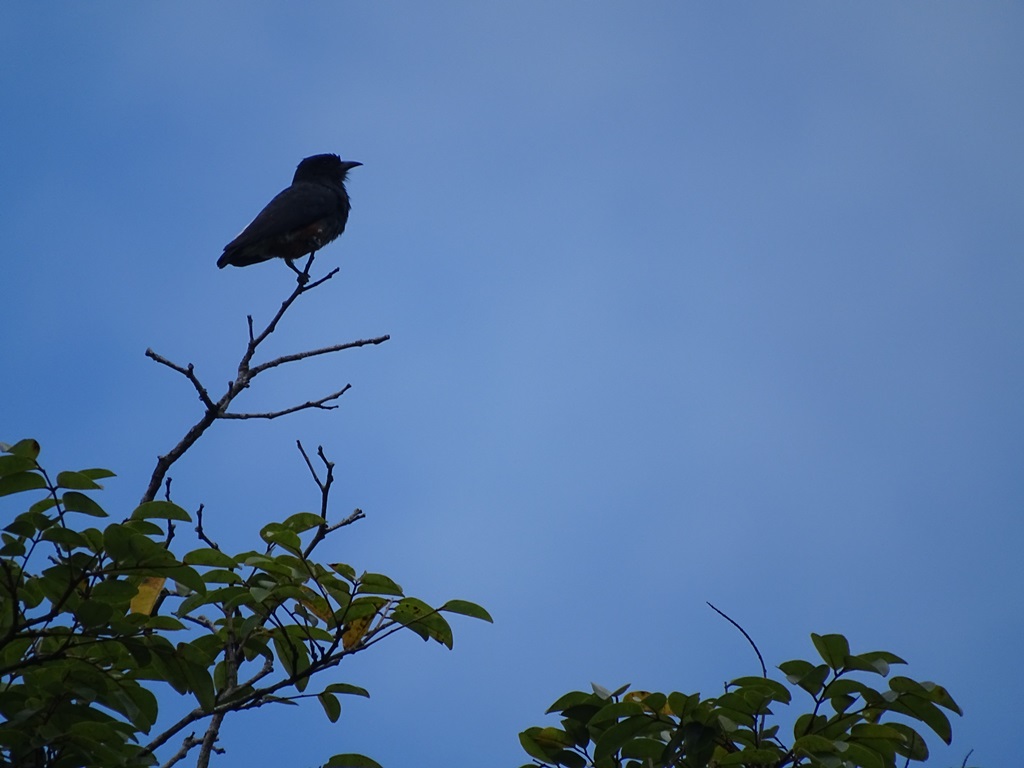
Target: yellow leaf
<point x="317" y="605"/>
<point x="354" y="632"/>
<point x="149" y="591"/>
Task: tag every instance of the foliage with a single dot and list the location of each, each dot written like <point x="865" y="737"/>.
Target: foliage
<point x="79" y="667"/>
<point x="850" y="722"/>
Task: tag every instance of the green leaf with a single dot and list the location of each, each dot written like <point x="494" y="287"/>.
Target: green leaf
<point x="879" y="658"/>
<point x="303" y="521"/>
<point x="146" y="528"/>
<point x="27" y="448"/>
<point x="875" y="731"/>
<point x="912" y="744"/>
<point x="807" y="723"/>
<point x="553" y="738"/>
<point x="863" y="755"/>
<point x="211" y="557"/>
<point x="812" y="744"/>
<point x="163" y="510"/>
<point x="809" y="677"/>
<point x="571" y="699"/>
<point x="10" y="465"/>
<point x="164" y="623"/>
<point x="20" y="482"/>
<point x="346" y="571"/>
<point x="275" y="533"/>
<point x="833" y="649"/>
<point x="466" y="608"/>
<point x="796" y="669"/>
<point x="66" y="537"/>
<point x="331" y="706"/>
<point x="422" y="619"/>
<point x="346" y="688"/>
<point x="682" y="704"/>
<point x="115" y="592"/>
<point x="751" y="756"/>
<point x="923" y="710"/>
<point x="776" y="690"/>
<point x="195" y="668"/>
<point x="93" y="613"/>
<point x="612" y="740"/>
<point x="76" y="481"/>
<point x="908" y="685"/>
<point x="648" y="751"/>
<point x="941" y="696"/>
<point x="351" y="761"/>
<point x="185" y="576"/>
<point x="616" y="710"/>
<point x="74" y="501"/>
<point x="378" y="584"/>
<point x="96" y="473"/>
<point x="527" y="739"/>
<point x="847" y="687"/>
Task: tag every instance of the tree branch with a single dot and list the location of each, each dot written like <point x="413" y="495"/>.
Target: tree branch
<point x="313" y="353"/>
<point x="187" y="745"/>
<point x="275" y="414"/>
<point x="764" y="669"/>
<point x="245" y="373"/>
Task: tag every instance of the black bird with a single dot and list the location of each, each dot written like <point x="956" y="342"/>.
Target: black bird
<point x="302" y="219"/>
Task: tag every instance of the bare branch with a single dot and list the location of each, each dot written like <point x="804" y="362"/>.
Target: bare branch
<point x="325" y="492"/>
<point x="202" y="533"/>
<point x="210" y="740"/>
<point x="219" y="409"/>
<point x="764" y="669"/>
<point x="187" y="745"/>
<point x="275" y="414"/>
<point x="313" y="353"/>
<point x="201" y="621"/>
<point x="187" y="371"/>
<point x="268" y="667"/>
<point x="309" y="464"/>
<point x="357" y="514"/>
<point x="323" y="279"/>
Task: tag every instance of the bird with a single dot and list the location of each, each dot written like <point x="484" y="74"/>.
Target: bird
<point x="300" y="220"/>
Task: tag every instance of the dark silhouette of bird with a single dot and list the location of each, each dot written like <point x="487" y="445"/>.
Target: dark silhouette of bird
<point x="301" y="220"/>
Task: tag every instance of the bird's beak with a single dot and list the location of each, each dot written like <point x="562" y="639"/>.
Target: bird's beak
<point x="348" y="165"/>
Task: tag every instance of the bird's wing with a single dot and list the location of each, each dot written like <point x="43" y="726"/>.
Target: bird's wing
<point x="292" y="210"/>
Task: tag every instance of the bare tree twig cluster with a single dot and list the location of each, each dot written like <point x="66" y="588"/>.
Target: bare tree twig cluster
<point x="246" y="372"/>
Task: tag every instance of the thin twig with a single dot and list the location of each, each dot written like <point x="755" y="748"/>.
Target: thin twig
<point x="201" y="533"/>
<point x="219" y="409"/>
<point x="170" y="523"/>
<point x="309" y="464"/>
<point x="311" y="404"/>
<point x="187" y="371"/>
<point x="325" y="492"/>
<point x="314" y="352"/>
<point x="187" y="745"/>
<point x="760" y="658"/>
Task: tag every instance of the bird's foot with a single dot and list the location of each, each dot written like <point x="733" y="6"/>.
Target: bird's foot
<point x="301" y="276"/>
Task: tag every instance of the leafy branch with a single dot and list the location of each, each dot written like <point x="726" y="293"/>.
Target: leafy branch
<point x="86" y="620"/>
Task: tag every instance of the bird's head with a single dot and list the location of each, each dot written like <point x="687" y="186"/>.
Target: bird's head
<point x="323" y="168"/>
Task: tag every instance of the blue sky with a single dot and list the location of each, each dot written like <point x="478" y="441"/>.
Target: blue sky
<point x="688" y="302"/>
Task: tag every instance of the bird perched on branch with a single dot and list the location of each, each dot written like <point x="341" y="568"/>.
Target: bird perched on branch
<point x="301" y="220"/>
